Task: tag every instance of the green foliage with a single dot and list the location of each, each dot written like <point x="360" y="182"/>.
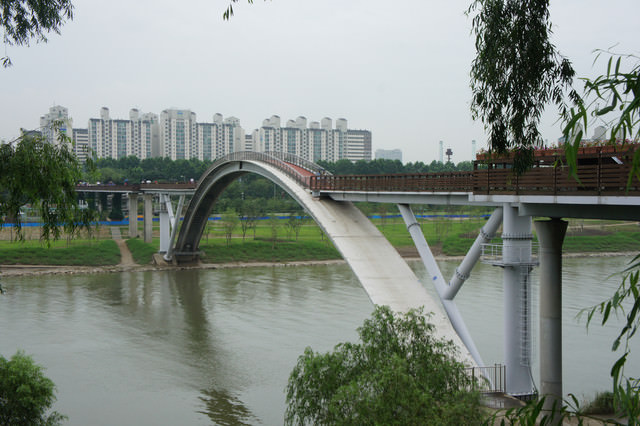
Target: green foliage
<point x="26" y="394"/>
<point x="295" y="222"/>
<point x="23" y="20"/>
<point x="140" y="251"/>
<point x="230" y="221"/>
<point x="228" y="13"/>
<point x="516" y="72"/>
<point x="399" y="374"/>
<point x="43" y="175"/>
<point x="619" y="90"/>
<point x="532" y="414"/>
<point x="250" y="211"/>
<point x="625" y="302"/>
<point x="260" y="250"/>
<point x="116" y="207"/>
<point x="603" y="403"/>
<point x="98" y="253"/>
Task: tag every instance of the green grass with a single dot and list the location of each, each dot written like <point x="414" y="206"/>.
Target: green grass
<point x="614" y="242"/>
<point x="142" y="252"/>
<point x="78" y="253"/>
<point x="452" y="237"/>
<point x="603" y="403"/>
<point x="264" y="251"/>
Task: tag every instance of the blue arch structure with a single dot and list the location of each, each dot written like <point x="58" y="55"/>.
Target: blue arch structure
<point x="384" y="275"/>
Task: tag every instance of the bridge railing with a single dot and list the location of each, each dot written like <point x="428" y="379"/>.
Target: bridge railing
<point x="418" y="182"/>
<point x="293" y="166"/>
<point x="298" y="161"/>
<point x="597" y="175"/>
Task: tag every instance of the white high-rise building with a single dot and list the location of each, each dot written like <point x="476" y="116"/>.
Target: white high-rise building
<point x="81" y="144"/>
<point x="178" y="134"/>
<point x="358" y="145"/>
<point x="318" y="141"/>
<point x="56" y="121"/>
<point x="119" y="138"/>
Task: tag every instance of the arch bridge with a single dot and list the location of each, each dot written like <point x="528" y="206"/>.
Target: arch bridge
<point x="602" y="190"/>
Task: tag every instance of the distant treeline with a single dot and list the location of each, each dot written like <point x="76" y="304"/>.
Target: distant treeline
<point x="131" y="169"/>
<point x="383" y="167"/>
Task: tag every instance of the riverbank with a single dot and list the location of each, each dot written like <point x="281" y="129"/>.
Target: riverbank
<point x="30" y="270"/>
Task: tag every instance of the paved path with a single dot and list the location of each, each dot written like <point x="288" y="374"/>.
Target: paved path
<point x="125" y="255"/>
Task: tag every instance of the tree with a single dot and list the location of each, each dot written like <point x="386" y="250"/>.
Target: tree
<point x="516" y="72"/>
<point x="399" y="373"/>
<point x="229" y="221"/>
<point x="44" y="175"/>
<point x="619" y="90"/>
<point x="295" y="222"/>
<point x="26" y="395"/>
<point x="24" y="20"/>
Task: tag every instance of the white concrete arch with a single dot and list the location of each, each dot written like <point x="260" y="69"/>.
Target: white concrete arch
<point x="384" y="275"/>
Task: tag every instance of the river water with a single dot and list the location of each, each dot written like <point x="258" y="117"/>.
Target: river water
<point x="201" y="347"/>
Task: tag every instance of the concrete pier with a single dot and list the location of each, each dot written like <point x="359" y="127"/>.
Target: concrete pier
<point x="133" y="214"/>
<point x="551" y="236"/>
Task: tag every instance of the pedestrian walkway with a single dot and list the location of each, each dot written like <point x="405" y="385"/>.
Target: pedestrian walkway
<point x="125" y="255"/>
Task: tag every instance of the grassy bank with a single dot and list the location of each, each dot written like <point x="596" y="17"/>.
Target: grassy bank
<point x="450" y="237"/>
<point x="74" y="253"/>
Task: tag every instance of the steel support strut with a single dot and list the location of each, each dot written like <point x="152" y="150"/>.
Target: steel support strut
<point x="445" y="291"/>
<point x="174" y="220"/>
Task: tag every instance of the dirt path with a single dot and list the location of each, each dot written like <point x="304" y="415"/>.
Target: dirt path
<point x="126" y="260"/>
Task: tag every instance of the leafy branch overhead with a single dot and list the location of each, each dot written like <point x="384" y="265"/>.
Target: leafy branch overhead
<point x="229" y="12"/>
<point x="516" y="72"/>
<point x="24" y="20"/>
<point x="43" y="175"/>
<point x="611" y="100"/>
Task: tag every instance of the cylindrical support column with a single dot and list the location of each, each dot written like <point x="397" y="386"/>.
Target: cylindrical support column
<point x="133" y="215"/>
<point x="516" y="254"/>
<point x="550" y="236"/>
<point x="148" y="217"/>
<point x="165" y="224"/>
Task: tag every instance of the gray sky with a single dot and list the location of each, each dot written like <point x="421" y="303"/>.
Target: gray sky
<point x="398" y="68"/>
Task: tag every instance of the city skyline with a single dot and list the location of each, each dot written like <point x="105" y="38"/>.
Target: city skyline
<point x="177" y="134"/>
<point x="401" y="71"/>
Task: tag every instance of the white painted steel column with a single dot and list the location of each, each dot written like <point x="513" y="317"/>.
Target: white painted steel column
<point x="174" y="229"/>
<point x="165" y="222"/>
<point x="463" y="271"/>
<point x="133" y="215"/>
<point x="516" y="254"/>
<point x="436" y="276"/>
<point x="551" y="236"/>
<point x="148" y="217"/>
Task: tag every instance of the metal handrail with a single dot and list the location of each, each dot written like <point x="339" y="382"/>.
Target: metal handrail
<point x="281" y="160"/>
<point x="489" y="379"/>
<point x="493" y="254"/>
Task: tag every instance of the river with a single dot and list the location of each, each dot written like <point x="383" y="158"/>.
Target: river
<point x="202" y="347"/>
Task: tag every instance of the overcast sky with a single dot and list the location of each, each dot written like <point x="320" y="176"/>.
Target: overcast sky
<point x="399" y="68"/>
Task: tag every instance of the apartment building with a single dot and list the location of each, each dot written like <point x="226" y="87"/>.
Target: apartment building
<point x="176" y="134"/>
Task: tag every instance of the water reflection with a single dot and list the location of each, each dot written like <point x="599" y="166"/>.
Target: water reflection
<point x="225" y="409"/>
